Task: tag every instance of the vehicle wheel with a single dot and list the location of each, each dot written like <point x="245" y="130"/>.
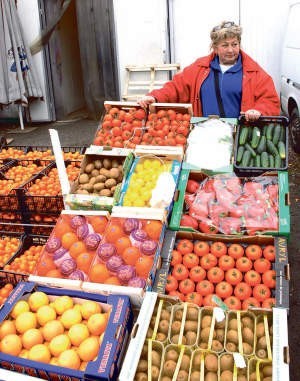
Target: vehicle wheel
<point x="295" y="130"/>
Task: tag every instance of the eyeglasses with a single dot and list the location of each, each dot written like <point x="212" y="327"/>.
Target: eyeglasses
<point x="225" y="25"/>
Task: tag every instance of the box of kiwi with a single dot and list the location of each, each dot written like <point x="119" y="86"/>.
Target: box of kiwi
<point x="261" y="145"/>
<point x="102" y="173"/>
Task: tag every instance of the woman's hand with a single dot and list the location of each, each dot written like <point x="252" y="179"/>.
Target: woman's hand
<point x="252" y="115"/>
<point x="146" y="100"/>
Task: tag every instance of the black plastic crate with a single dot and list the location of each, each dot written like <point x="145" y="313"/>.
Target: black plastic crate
<point x="11" y="222"/>
<point x="260" y="123"/>
<point x="28" y="240"/>
<point x="39" y="223"/>
<point x="19" y="237"/>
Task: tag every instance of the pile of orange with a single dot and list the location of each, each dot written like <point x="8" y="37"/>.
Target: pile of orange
<point x="5" y="291"/>
<point x="26" y="262"/>
<point x="60" y="332"/>
<point x="8" y="247"/>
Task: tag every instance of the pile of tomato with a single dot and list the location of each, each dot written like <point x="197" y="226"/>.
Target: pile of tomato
<point x="240" y="275"/>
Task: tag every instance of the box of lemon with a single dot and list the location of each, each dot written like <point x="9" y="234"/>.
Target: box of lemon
<point x="54" y="333"/>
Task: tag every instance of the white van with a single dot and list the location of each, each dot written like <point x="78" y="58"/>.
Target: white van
<point x="290" y="74"/>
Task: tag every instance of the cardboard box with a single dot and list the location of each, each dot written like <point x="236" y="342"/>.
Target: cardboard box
<point x="281" y="264"/>
<point x="283" y="201"/>
<point x="107" y="364"/>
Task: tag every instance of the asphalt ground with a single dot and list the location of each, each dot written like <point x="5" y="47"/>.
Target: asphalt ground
<point x="81" y="132"/>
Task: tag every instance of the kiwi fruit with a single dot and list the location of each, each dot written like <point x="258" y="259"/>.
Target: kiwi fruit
<point x="175" y="327"/>
<point x="178" y="314"/>
<point x="172" y="354"/>
<point x="211" y="376"/>
<point x="163" y="326"/>
<point x="216" y="346"/>
<point x="247" y="321"/>
<point x="261" y="353"/>
<point x="260" y="329"/>
<point x="149" y="333"/>
<point x="191" y="337"/>
<point x="166" y="378"/>
<point x="262" y="343"/>
<point x="169" y="368"/>
<point x="226" y="375"/>
<point x="175" y="339"/>
<point x="195" y="375"/>
<point x="196" y="360"/>
<point x="191" y="325"/>
<point x="206" y="321"/>
<point x="220" y="334"/>
<point x="226" y="362"/>
<point x="165" y="315"/>
<point x="267" y="370"/>
<point x="185" y="362"/>
<point x="192" y="313"/>
<point x="231" y="347"/>
<point x="252" y="376"/>
<point x="204" y="334"/>
<point x="241" y="377"/>
<point x="183" y="375"/>
<point x="211" y="362"/>
<point x="160" y="336"/>
<point x="232" y="324"/>
<point x="142" y="366"/>
<point x="248" y="335"/>
<point x="152" y="321"/>
<point x="144" y="350"/>
<point x="154" y="372"/>
<point x="220" y="324"/>
<point x="247" y="348"/>
<point x="155" y="358"/>
<point x="203" y="345"/>
<point x="232" y="336"/>
<point x="141" y="376"/>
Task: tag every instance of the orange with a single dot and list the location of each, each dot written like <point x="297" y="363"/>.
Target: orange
<point x="98" y="223"/>
<point x="153" y="229"/>
<point x="122" y="243"/>
<point x="61" y="227"/>
<point x="71" y="317"/>
<point x="55" y="273"/>
<point x="11" y="344"/>
<point x="68" y="239"/>
<point x="20" y="306"/>
<point x="51" y="329"/>
<point x="77" y="248"/>
<point x="89" y="307"/>
<point x="62" y="304"/>
<point x="37" y="299"/>
<point x="143" y="266"/>
<point x="25" y="321"/>
<point x="88" y="349"/>
<point x="83" y="365"/>
<point x="39" y="352"/>
<point x="44" y="265"/>
<point x="98" y="273"/>
<point x="113" y="232"/>
<point x="97" y="323"/>
<point x="130" y="255"/>
<point x="6" y="328"/>
<point x="32" y="337"/>
<point x="77" y="333"/>
<point x="113" y="280"/>
<point x="84" y="261"/>
<point x="69" y="359"/>
<point x="59" y="344"/>
<point x="45" y="314"/>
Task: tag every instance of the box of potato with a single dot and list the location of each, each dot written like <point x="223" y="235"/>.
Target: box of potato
<point x="55" y="333"/>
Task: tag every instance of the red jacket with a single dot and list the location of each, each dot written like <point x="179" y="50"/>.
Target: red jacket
<point x="258" y="90"/>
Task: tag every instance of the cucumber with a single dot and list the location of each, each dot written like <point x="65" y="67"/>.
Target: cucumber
<point x="271" y="148"/>
<point x="282" y="136"/>
<point x="257" y="161"/>
<point x="246" y="158"/>
<point x="264" y="130"/>
<point x="278" y="163"/>
<point x="261" y="145"/>
<point x="243" y="136"/>
<point x="264" y="159"/>
<point x="269" y="133"/>
<point x="281" y="150"/>
<point x="255" y="137"/>
<point x="271" y="161"/>
<point x="251" y="164"/>
<point x="276" y="134"/>
<point x="239" y="155"/>
<point x="250" y="149"/>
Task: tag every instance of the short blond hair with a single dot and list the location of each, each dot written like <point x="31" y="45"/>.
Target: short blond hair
<point x="226" y="29"/>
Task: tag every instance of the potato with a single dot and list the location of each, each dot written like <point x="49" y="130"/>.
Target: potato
<point x="105" y="192"/>
<point x="89" y="167"/>
<point x="89" y="187"/>
<point x="115" y="163"/>
<point x="107" y="163"/>
<point x="98" y="187"/>
<point x="100" y="179"/>
<point x="81" y="191"/>
<point x="83" y="178"/>
<point x="105" y="172"/>
<point x="114" y="173"/>
<point x="95" y="172"/>
<point x="110" y="183"/>
<point x="98" y="164"/>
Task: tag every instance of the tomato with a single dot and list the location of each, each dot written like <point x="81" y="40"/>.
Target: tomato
<point x="224" y="289"/>
<point x="194" y="297"/>
<point x="226" y="262"/>
<point x="205" y="287"/>
<point x="244" y="264"/>
<point x="252" y="277"/>
<point x="215" y="275"/>
<point x="269" y="278"/>
<point x="237" y="211"/>
<point x="176" y="258"/>
<point x="180" y="139"/>
<point x="180" y="272"/>
<point x="233" y="276"/>
<point x="177" y="295"/>
<point x="208" y="228"/>
<point x="269" y="303"/>
<point x="208" y="301"/>
<point x="233" y="303"/>
<point x="253" y="252"/>
<point x="250" y="302"/>
<point x="262" y="265"/>
<point x="171" y="284"/>
<point x="269" y="253"/>
<point x="235" y="250"/>
<point x="190" y="260"/>
<point x="217" y="212"/>
<point x="192" y="186"/>
<point x="208" y="261"/>
<point x="261" y="292"/>
<point x="185" y="246"/>
<point x="201" y="248"/>
<point x="187" y="220"/>
<point x="197" y="273"/>
<point x="186" y="286"/>
<point x="242" y="291"/>
<point x="218" y="248"/>
<point x="171" y="114"/>
<point x="140" y="114"/>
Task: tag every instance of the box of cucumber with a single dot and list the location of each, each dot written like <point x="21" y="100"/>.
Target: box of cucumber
<point x="261" y="146"/>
